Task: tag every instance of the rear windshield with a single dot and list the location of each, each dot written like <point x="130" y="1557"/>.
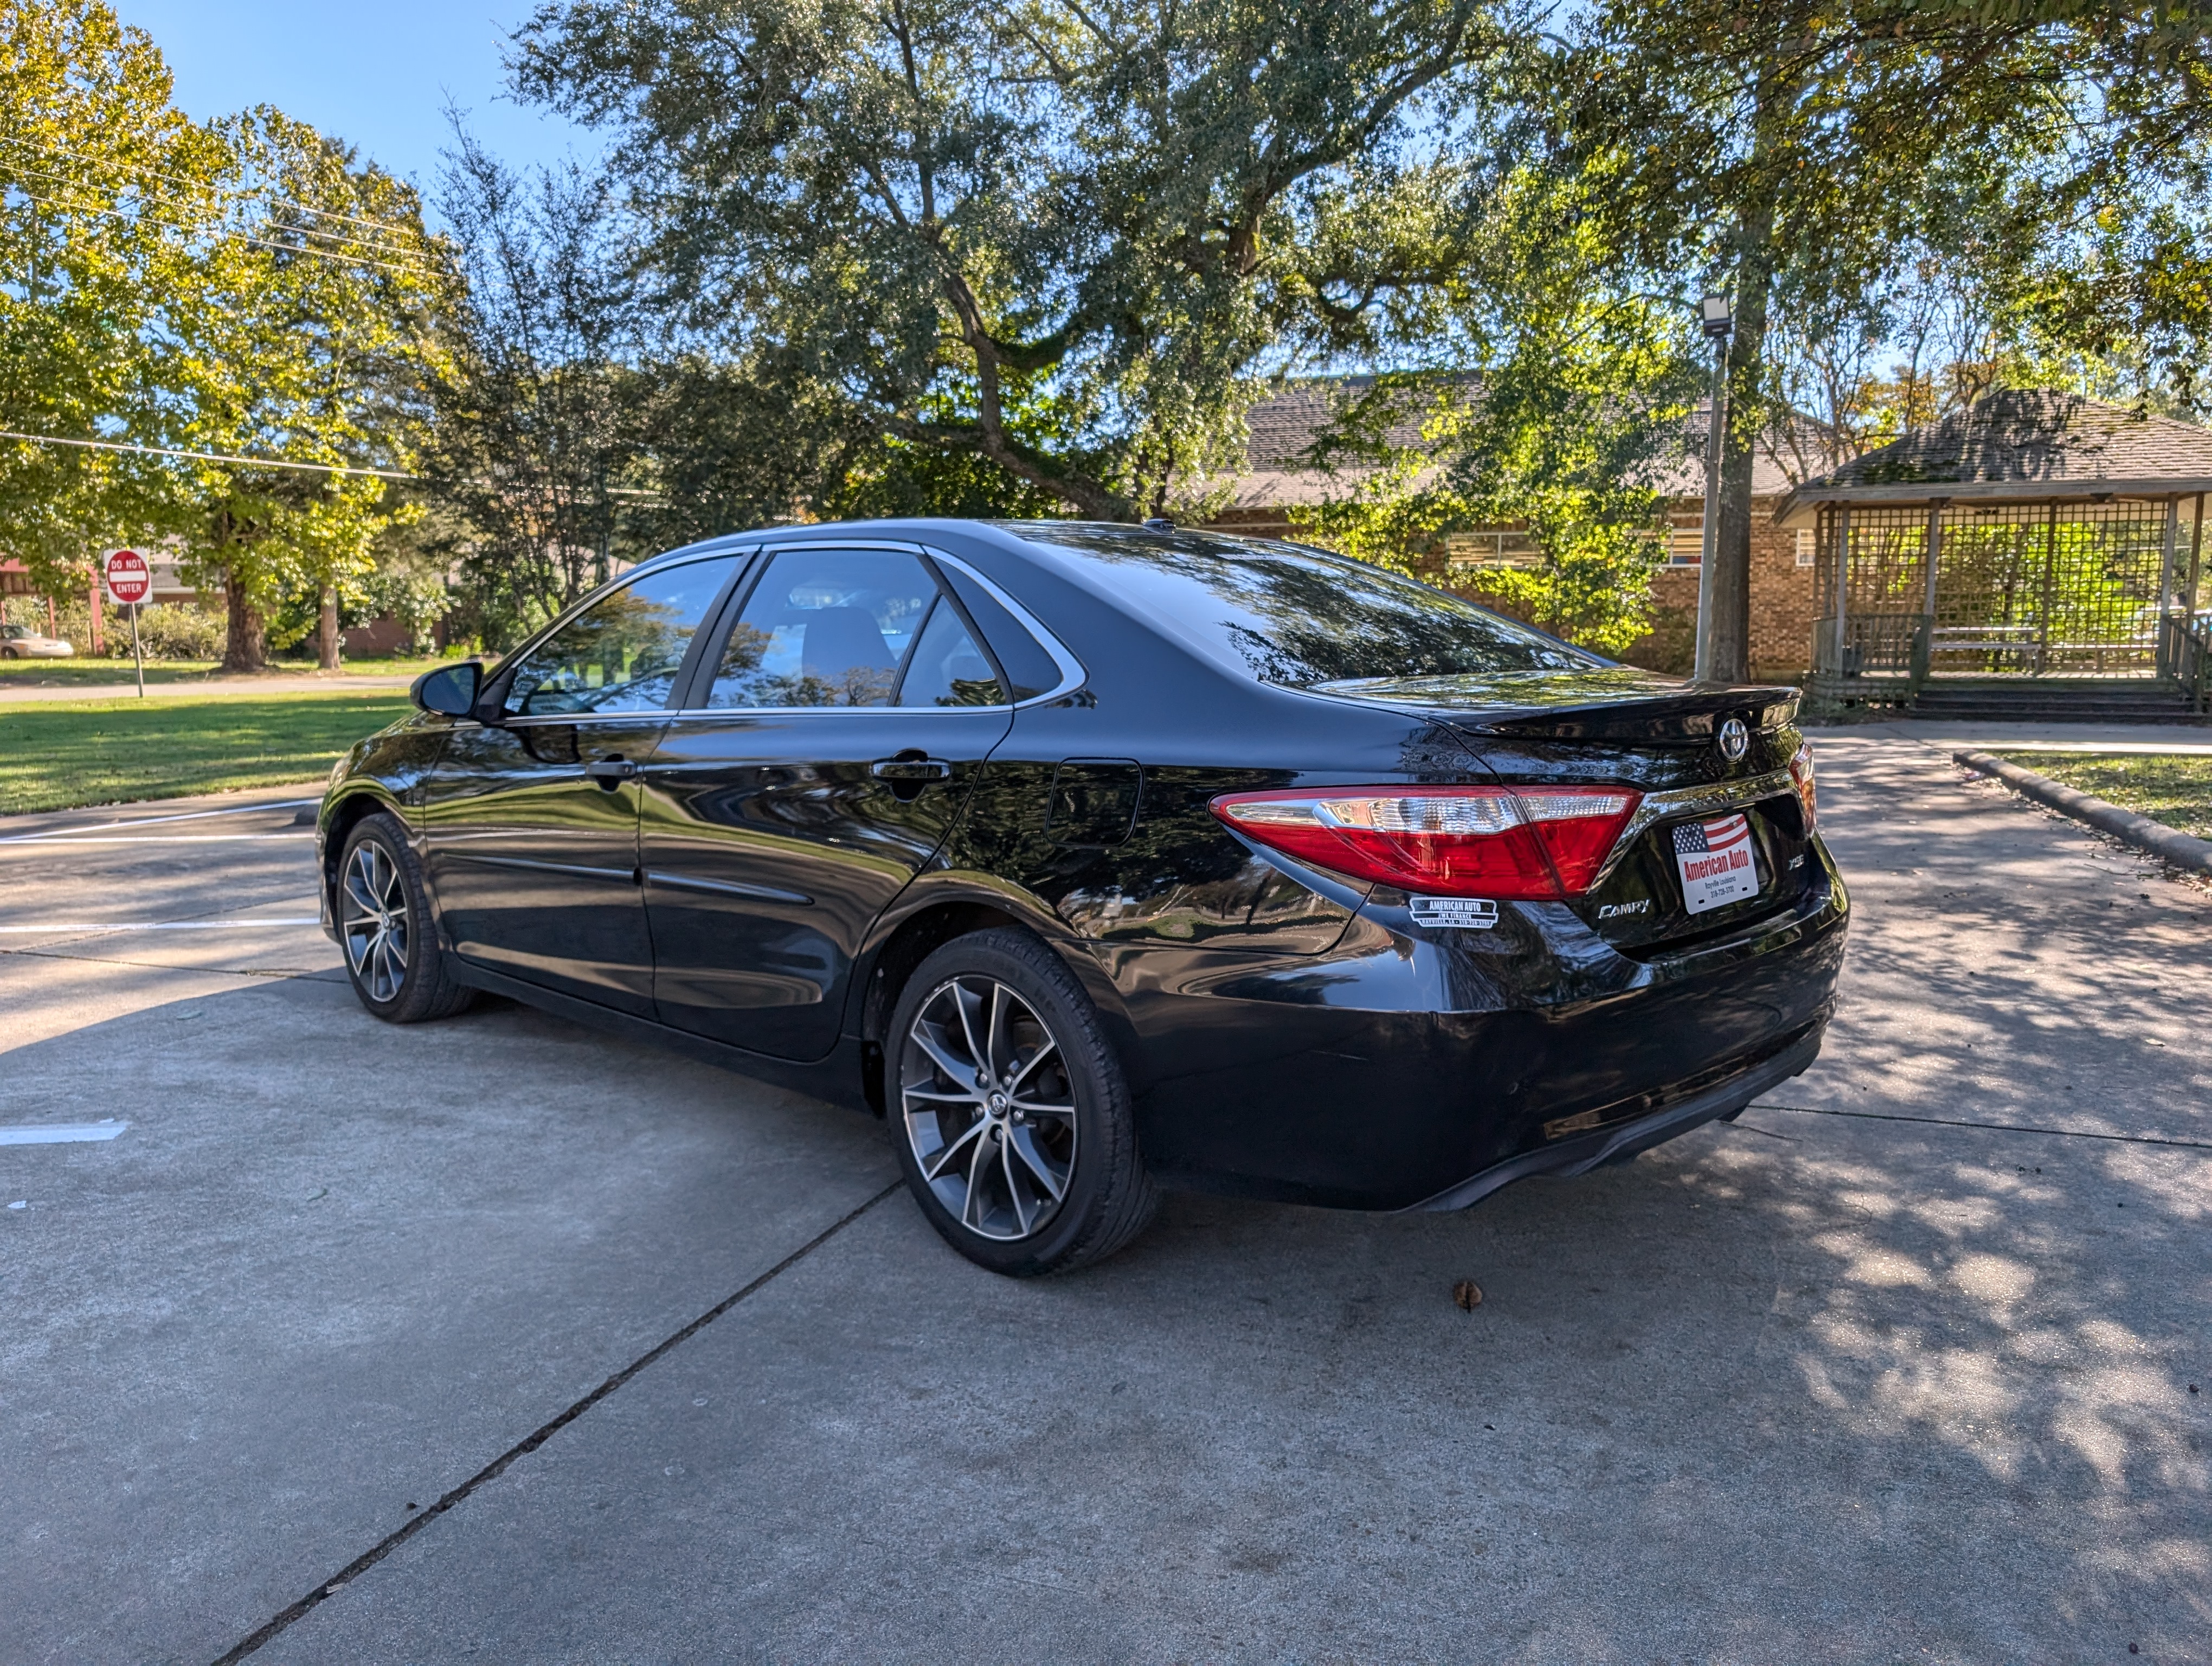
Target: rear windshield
<point x="1304" y="618"/>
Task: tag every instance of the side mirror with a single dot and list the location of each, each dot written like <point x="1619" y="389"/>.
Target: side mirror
<point x="450" y="690"/>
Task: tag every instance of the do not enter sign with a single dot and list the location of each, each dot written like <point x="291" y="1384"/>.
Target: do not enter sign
<point x="129" y="579"/>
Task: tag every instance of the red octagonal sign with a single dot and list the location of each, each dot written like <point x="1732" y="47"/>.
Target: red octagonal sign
<point x="129" y="578"/>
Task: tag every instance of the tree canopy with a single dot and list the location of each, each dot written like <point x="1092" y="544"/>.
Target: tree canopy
<point x="188" y="291"/>
<point x="1054" y="237"/>
<point x="1041" y="258"/>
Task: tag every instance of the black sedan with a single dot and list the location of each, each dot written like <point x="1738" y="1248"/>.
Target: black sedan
<point x="1102" y="859"/>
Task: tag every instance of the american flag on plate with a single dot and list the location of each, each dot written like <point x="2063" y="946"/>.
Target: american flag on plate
<point x="1716" y="862"/>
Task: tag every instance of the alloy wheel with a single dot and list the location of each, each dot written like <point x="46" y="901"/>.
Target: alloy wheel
<point x="374" y="921"/>
<point x="989" y="1109"/>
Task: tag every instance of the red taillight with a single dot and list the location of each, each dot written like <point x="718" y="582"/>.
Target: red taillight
<point x="1443" y="841"/>
<point x="1801" y="772"/>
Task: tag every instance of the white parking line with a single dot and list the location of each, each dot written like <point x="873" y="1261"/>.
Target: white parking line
<point x="44" y="839"/>
<point x="60" y="1134"/>
<point x="158" y="925"/>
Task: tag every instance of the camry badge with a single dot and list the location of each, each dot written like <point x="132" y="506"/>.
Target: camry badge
<point x="1477" y="914"/>
<point x="1735" y="740"/>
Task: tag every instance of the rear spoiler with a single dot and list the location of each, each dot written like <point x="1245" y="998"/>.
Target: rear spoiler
<point x="1692" y="714"/>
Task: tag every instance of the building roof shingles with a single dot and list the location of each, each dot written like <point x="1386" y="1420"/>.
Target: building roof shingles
<point x="1284" y="426"/>
<point x="2025" y="443"/>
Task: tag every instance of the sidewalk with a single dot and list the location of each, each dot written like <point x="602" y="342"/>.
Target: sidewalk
<point x="2185" y="740"/>
<point x="283" y="683"/>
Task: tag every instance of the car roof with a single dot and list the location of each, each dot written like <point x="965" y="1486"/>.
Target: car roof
<point x="1066" y="534"/>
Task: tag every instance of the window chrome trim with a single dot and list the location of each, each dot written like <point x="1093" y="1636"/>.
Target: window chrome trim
<point x="573" y="719"/>
<point x="1072" y="676"/>
<point x="1655" y="807"/>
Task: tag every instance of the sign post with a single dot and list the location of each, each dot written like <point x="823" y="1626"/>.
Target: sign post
<point x="129" y="581"/>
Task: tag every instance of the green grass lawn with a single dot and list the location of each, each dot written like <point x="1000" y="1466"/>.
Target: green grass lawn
<point x="58" y="755"/>
<point x="90" y="672"/>
<point x="2174" y="790"/>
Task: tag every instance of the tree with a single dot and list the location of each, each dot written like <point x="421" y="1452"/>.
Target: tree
<point x="1053" y="237"/>
<point x="308" y="336"/>
<point x="578" y="426"/>
<point x="108" y="193"/>
<point x="1798" y="154"/>
<point x="535" y="450"/>
<point x="1550" y="401"/>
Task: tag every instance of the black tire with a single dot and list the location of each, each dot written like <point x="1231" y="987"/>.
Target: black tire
<point x="1068" y="1111"/>
<point x="385" y="930"/>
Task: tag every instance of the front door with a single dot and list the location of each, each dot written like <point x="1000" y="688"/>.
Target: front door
<point x="848" y="715"/>
<point x="529" y="824"/>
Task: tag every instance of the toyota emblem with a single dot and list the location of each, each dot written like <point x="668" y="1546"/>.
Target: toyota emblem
<point x="1735" y="740"/>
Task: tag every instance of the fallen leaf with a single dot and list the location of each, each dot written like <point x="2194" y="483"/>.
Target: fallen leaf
<point x="1467" y="1293"/>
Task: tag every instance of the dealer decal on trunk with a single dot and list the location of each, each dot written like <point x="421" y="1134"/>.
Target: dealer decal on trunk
<point x="1716" y="862"/>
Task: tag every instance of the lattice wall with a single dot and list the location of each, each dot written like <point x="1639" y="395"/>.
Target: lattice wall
<point x="2071" y="589"/>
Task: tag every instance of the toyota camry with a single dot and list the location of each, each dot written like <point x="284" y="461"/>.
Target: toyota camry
<point x="1101" y="859"/>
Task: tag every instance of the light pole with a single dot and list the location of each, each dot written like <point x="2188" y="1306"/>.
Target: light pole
<point x="1719" y="322"/>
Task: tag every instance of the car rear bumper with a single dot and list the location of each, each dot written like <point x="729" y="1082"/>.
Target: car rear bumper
<point x="1615" y="1139"/>
<point x="1410" y="1070"/>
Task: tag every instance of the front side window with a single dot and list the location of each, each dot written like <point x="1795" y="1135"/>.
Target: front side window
<point x="827" y="628"/>
<point x="621" y="654"/>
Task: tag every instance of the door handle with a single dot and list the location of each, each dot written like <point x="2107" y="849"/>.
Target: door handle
<point x="609" y="772"/>
<point x="908" y="768"/>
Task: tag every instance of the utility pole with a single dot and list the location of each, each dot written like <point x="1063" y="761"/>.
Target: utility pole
<point x="1718" y="320"/>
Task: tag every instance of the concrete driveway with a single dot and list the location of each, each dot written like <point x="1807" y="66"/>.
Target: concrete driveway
<point x="332" y="1353"/>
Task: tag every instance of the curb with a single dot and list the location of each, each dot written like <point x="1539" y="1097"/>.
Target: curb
<point x="2144" y="834"/>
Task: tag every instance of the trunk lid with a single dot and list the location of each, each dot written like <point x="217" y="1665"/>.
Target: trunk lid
<point x="1619" y="726"/>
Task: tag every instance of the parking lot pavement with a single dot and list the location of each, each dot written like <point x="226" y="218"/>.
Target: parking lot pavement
<point x="1825" y="1385"/>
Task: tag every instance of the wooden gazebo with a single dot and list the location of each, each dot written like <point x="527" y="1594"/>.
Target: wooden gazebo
<point x="2033" y="535"/>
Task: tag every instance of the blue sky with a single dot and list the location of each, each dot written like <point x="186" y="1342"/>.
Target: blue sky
<point x="377" y="76"/>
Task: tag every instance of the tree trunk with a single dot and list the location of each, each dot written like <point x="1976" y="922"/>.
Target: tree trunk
<point x="326" y="629"/>
<point x="1746" y="418"/>
<point x="1746" y="415"/>
<point x="247" y="650"/>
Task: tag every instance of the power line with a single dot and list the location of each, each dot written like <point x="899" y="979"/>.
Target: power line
<point x="275" y="463"/>
<point x="208" y="456"/>
<point x="338" y="256"/>
<point x="146" y="216"/>
<point x="341" y="258"/>
<point x="261" y="198"/>
<point x="179" y="178"/>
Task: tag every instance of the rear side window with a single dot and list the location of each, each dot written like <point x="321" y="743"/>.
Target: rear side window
<point x="946" y="668"/>
<point x="825" y="628"/>
<point x="1030" y="669"/>
<point x="1304" y="618"/>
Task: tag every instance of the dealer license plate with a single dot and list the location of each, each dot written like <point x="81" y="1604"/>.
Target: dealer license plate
<point x="1716" y="862"/>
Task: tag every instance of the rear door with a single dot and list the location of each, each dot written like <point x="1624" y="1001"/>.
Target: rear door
<point x="529" y="824"/>
<point x="846" y="715"/>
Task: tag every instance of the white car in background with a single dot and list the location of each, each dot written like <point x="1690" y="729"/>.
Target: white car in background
<point x="21" y="643"/>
